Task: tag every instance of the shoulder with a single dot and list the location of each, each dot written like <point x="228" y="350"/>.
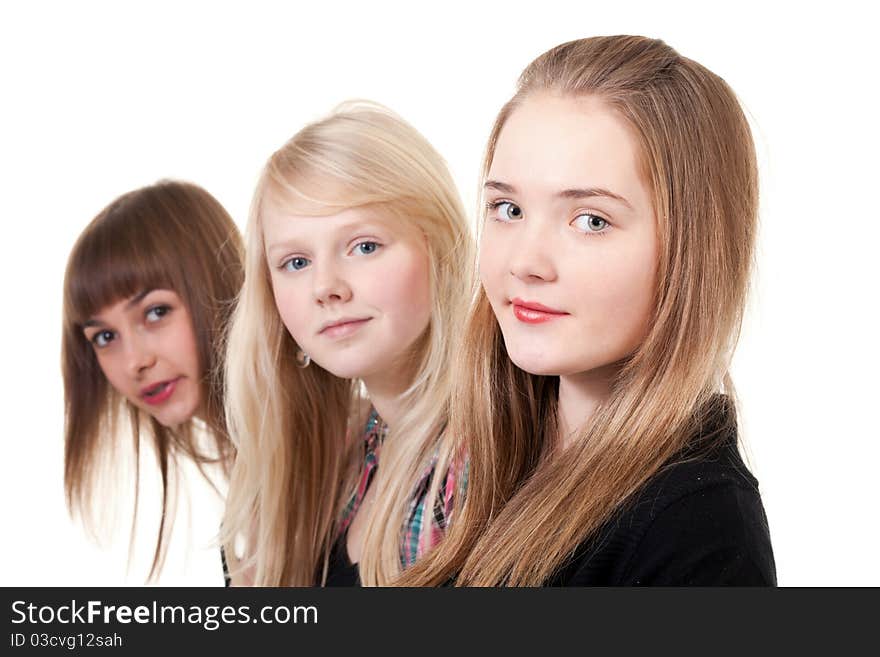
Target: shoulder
<point x="717" y="475"/>
<point x="699" y="521"/>
<point x="710" y="528"/>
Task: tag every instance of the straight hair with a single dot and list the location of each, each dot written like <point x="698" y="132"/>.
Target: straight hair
<point x="297" y="430"/>
<point x="171" y="235"/>
<point x="529" y="506"/>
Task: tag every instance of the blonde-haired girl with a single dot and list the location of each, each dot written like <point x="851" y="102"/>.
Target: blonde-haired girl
<point x="593" y="397"/>
<point x="356" y="260"/>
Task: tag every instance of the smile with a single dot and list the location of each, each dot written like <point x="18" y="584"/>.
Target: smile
<point x="532" y="312"/>
<point x="159" y="392"/>
<point x="343" y="328"/>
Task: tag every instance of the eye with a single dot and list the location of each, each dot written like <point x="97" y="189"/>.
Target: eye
<point x="102" y="338"/>
<point x="505" y="211"/>
<point x="295" y="264"/>
<point x="156" y="313"/>
<point x="590" y="223"/>
<point x="366" y="248"/>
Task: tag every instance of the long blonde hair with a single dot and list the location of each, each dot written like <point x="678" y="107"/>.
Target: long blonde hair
<point x="295" y="468"/>
<point x="170" y="235"/>
<point x="528" y="506"/>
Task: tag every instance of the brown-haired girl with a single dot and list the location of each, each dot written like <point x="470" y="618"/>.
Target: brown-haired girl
<point x="148" y="289"/>
<point x="593" y="399"/>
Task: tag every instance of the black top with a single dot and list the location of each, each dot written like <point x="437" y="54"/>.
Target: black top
<point x="698" y="522"/>
<point x="227" y="581"/>
<point x="340" y="570"/>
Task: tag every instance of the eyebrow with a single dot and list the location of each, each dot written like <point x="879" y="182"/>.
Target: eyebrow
<point x="285" y="245"/>
<point x="575" y="193"/>
<point x="135" y="300"/>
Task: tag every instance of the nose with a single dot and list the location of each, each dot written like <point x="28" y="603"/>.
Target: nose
<point x="531" y="254"/>
<point x="138" y="354"/>
<point x="330" y="285"/>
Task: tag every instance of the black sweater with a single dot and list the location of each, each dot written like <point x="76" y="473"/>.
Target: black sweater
<point x="698" y="522"/>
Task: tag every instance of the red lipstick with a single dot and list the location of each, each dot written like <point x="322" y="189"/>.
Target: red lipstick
<point x="532" y="312"/>
<point x="159" y="392"/>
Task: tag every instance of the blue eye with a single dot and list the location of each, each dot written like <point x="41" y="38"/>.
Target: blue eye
<point x="506" y="211"/>
<point x="590" y="223"/>
<point x="156" y="313"/>
<point x="295" y="264"/>
<point x="366" y="248"/>
<point x="102" y="338"/>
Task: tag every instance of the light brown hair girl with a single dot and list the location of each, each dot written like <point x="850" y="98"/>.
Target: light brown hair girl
<point x="530" y="501"/>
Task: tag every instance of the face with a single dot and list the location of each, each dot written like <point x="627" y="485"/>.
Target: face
<point x="147" y="349"/>
<point x="569" y="246"/>
<point x="353" y="288"/>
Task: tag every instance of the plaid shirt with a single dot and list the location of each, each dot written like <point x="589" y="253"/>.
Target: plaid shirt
<point x="411" y="547"/>
<point x="373" y="437"/>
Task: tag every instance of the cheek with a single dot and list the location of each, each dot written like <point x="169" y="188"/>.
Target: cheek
<point x="628" y="298"/>
<point x="491" y="266"/>
<point x="112" y="369"/>
<point x="289" y="301"/>
<point x="189" y="346"/>
<point x="403" y="287"/>
<point x="619" y="299"/>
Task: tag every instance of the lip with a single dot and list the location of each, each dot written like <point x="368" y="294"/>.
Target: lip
<point x="532" y="312"/>
<point x="161" y="397"/>
<point x="344" y="327"/>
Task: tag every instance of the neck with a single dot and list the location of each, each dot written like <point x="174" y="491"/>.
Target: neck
<point x="385" y="391"/>
<point x="386" y="386"/>
<point x="579" y="396"/>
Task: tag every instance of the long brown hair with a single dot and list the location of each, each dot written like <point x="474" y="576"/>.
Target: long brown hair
<point x="528" y="506"/>
<point x="171" y="235"/>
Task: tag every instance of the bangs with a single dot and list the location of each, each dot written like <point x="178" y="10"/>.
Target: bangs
<point x="310" y="194"/>
<point x="117" y="259"/>
<point x="316" y="197"/>
<point x="321" y="183"/>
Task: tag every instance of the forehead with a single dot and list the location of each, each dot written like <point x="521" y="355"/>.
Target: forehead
<point x="284" y="222"/>
<point x="553" y="142"/>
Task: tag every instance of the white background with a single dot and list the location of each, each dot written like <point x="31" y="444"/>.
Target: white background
<point x="100" y="98"/>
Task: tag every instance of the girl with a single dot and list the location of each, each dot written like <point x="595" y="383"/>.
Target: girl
<point x="594" y="400"/>
<point x="357" y="253"/>
<point x="147" y="291"/>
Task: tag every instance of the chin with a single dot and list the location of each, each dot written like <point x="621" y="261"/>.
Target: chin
<point x="538" y="369"/>
<point x="173" y="418"/>
<point x="347" y="368"/>
<point x="172" y="421"/>
<point x="535" y="363"/>
<point x="546" y="365"/>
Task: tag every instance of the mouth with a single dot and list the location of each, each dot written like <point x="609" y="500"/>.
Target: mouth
<point x="159" y="392"/>
<point x="532" y="312"/>
<point x="343" y="327"/>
